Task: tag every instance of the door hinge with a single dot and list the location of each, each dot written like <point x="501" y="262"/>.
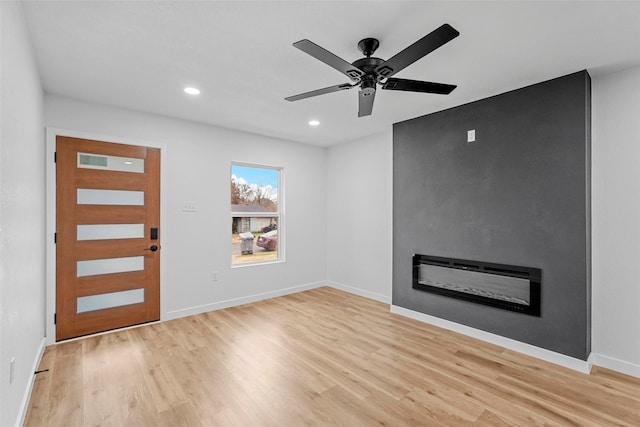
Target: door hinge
<point x="55" y="318"/>
<point x="55" y="238"/>
<point x="55" y="157"/>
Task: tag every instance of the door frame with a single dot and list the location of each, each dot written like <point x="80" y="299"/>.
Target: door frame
<point x="51" y="133"/>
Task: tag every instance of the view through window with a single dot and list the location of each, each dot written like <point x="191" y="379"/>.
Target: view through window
<point x="255" y="213"/>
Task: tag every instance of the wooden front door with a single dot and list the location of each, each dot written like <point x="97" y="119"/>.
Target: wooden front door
<point x="107" y="236"/>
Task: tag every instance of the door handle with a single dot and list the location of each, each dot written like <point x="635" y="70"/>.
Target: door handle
<point x="153" y="248"/>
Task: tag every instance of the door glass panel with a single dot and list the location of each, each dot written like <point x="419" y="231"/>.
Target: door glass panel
<point x="110" y="231"/>
<point x="111" y="163"/>
<point x="110" y="300"/>
<point x="110" y="197"/>
<point x="109" y="265"/>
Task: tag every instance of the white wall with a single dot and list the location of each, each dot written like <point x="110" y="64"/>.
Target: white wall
<point x="22" y="255"/>
<point x="359" y="216"/>
<point x="616" y="221"/>
<point x="197" y="161"/>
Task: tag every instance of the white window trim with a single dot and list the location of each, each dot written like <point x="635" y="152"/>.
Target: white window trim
<point x="279" y="213"/>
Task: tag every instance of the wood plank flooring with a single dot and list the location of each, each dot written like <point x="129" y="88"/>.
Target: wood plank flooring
<point x="321" y="357"/>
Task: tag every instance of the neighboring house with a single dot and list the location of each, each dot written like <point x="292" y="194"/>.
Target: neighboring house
<point x="253" y="218"/>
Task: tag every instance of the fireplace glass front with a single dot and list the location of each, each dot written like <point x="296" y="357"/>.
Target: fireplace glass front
<point x="503" y="286"/>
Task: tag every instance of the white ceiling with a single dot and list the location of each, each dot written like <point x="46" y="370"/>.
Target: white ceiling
<point x="140" y="54"/>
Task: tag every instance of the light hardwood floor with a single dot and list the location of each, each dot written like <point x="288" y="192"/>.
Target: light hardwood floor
<point x="321" y="357"/>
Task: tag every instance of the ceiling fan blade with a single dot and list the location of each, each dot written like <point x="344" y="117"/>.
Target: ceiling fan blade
<point x="418" y="86"/>
<point x="422" y="47"/>
<point x="322" y="91"/>
<point x="365" y="102"/>
<point x="329" y="58"/>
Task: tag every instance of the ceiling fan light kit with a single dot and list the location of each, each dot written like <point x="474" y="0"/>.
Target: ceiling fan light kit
<point x="369" y="72"/>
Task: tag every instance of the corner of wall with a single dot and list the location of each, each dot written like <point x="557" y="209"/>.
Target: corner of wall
<point x="359" y="216"/>
<point x="385" y="299"/>
<point x="24" y="405"/>
<point x="614" y="364"/>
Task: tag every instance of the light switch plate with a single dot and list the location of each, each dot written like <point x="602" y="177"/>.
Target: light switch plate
<point x="189" y="207"/>
<point x="12" y="370"/>
<point x="471" y="135"/>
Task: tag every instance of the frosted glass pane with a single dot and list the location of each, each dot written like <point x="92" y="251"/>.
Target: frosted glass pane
<point x="110" y="231"/>
<point x="110" y="197"/>
<point x="112" y="163"/>
<point x="109" y="265"/>
<point x="110" y="300"/>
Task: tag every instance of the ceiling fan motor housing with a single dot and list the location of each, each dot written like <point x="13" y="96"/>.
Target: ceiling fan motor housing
<point x="368" y="80"/>
<point x="367" y="65"/>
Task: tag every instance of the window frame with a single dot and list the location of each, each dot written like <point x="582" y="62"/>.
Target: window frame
<point x="279" y="214"/>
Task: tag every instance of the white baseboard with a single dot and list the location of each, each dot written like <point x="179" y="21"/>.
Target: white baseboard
<point x="528" y="349"/>
<point x="239" y="301"/>
<point x="614" y="364"/>
<point x="360" y="292"/>
<point x="24" y="405"/>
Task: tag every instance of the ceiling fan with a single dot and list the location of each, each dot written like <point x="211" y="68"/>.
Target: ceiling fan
<point x="368" y="72"/>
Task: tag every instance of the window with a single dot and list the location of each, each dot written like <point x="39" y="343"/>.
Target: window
<point x="256" y="218"/>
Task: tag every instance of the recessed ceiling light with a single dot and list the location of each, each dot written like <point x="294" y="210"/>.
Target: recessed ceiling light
<point x="192" y="90"/>
<point x="313" y="123"/>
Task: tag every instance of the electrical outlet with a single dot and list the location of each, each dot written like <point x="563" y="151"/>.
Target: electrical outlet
<point x="214" y="276"/>
<point x="12" y="369"/>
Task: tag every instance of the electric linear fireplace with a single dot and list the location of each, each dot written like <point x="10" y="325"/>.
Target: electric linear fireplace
<point x="503" y="286"/>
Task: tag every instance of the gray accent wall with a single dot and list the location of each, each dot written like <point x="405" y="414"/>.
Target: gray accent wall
<point x="519" y="195"/>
